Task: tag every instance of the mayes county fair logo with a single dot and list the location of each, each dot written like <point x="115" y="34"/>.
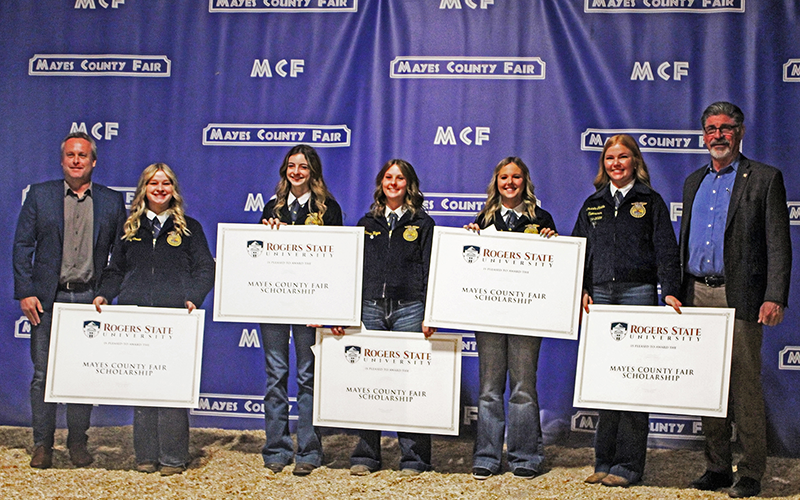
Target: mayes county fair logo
<point x="619" y="330"/>
<point x="91" y="328"/>
<point x="140" y="65"/>
<point x="284" y="6"/>
<point x="664" y="6"/>
<point x="254" y="248"/>
<point x="471" y="253"/>
<point x="352" y="353"/>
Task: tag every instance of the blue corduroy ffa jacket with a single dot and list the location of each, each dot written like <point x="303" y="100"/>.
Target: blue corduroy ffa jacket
<point x="165" y="274"/>
<point x="396" y="265"/>
<point x="637" y="245"/>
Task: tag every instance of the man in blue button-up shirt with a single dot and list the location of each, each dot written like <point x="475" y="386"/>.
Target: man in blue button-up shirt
<point x="736" y="252"/>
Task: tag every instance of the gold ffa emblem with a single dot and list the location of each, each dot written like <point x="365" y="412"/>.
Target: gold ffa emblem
<point x="637" y="210"/>
<point x="532" y="228"/>
<point x="314" y="220"/>
<point x="410" y="234"/>
<point x="174" y="239"/>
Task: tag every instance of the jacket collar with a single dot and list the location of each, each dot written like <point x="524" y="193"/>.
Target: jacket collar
<point x="604" y="193"/>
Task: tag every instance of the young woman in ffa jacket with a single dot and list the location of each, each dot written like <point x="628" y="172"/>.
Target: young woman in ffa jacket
<point x="162" y="261"/>
<point x="510" y="206"/>
<point x="301" y="197"/>
<point x="397" y="252"/>
<point x="630" y="248"/>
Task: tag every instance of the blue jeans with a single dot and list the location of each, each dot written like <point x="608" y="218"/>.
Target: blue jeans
<point x="518" y="356"/>
<point x="161" y="435"/>
<point x="43" y="415"/>
<point x="415" y="449"/>
<point x="620" y="446"/>
<point x="279" y="447"/>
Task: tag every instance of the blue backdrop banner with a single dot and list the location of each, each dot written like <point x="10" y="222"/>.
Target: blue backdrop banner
<point x="220" y="89"/>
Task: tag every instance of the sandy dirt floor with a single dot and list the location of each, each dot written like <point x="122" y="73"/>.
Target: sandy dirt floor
<point x="227" y="464"/>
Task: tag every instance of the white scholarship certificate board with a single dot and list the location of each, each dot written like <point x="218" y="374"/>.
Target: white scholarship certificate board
<point x="504" y="282"/>
<point x="126" y="355"/>
<point x="390" y="381"/>
<point x="295" y="274"/>
<point x="652" y="359"/>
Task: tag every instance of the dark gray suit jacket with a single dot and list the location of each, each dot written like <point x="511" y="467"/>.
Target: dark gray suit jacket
<point x="758" y="249"/>
<point x="39" y="238"/>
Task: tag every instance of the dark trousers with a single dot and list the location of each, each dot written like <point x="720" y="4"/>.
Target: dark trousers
<point x="620" y="442"/>
<point x="161" y="435"/>
<point x="745" y="397"/>
<point x="43" y="415"/>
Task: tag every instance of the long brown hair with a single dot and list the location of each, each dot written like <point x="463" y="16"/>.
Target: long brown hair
<point x="316" y="183"/>
<point x="414" y="197"/>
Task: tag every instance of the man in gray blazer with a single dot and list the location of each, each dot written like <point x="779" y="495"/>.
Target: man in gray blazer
<point x="65" y="233"/>
<point x="736" y="252"/>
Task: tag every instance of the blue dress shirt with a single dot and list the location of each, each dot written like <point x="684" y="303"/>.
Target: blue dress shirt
<point x="709" y="215"/>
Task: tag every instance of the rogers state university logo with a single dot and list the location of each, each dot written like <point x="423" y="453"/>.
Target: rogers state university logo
<point x="91" y="328"/>
<point x="619" y="330"/>
<point x="471" y="253"/>
<point x="352" y="353"/>
<point x="254" y="248"/>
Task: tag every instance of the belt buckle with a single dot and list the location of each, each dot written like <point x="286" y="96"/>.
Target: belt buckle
<point x="74" y="287"/>
<point x="713" y="281"/>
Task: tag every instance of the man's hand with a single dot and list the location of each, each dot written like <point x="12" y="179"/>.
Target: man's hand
<point x="586" y="300"/>
<point x="31" y="308"/>
<point x="99" y="301"/>
<point x="771" y="313"/>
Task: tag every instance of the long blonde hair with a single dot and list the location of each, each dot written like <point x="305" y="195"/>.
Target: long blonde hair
<point x="316" y="183"/>
<point x="493" y="198"/>
<point x="139" y="204"/>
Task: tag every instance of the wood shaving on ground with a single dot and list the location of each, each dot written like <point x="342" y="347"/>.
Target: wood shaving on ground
<point x="227" y="464"/>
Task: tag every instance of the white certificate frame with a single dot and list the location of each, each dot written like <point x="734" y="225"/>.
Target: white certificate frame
<point x="632" y="358"/>
<point x="126" y="355"/>
<point x="434" y="405"/>
<point x="464" y="260"/>
<point x="328" y="284"/>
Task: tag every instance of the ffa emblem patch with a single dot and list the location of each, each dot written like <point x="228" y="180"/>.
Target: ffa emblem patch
<point x="352" y="353"/>
<point x="91" y="328"/>
<point x="174" y="239"/>
<point x="619" y="330"/>
<point x="314" y="220"/>
<point x="532" y="229"/>
<point x="471" y="253"/>
<point x="637" y="210"/>
<point x="410" y="233"/>
<point x="254" y="248"/>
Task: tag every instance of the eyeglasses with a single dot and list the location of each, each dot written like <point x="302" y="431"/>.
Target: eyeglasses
<point x="725" y="129"/>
